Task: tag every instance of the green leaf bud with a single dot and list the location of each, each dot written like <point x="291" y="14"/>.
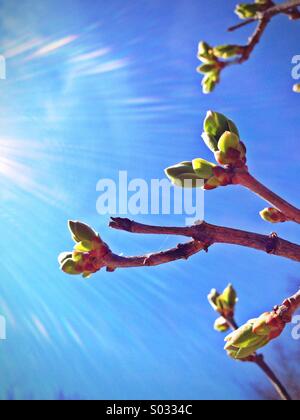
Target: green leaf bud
<point x="209" y="82"/>
<point x="233" y="128"/>
<point x="69" y="267"/>
<point x="229" y="297"/>
<point x="64" y="256"/>
<point x="206" y="68"/>
<point x="210" y="141"/>
<point x="179" y="169"/>
<point x="247" y="11"/>
<point x="215" y="124"/>
<point x="205" y="53"/>
<point x="213" y="299"/>
<point x="183" y="175"/>
<point x="228" y="141"/>
<point x="273" y="215"/>
<point x="203" y="168"/>
<point x="221" y="325"/>
<point x="84" y="246"/>
<point x="254" y="335"/>
<point x="227" y="51"/>
<point x="82" y="232"/>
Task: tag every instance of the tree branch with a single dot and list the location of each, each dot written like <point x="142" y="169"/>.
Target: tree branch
<point x="247" y="180"/>
<point x="286" y="7"/>
<point x="255" y="39"/>
<point x="208" y="235"/>
<point x="182" y="251"/>
<point x="263" y="19"/>
<point x="289" y="8"/>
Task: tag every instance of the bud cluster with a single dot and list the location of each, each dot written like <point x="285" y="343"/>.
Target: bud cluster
<point x="250" y="11"/>
<point x="212" y="62"/>
<point x="199" y="172"/>
<point x="222" y="137"/>
<point x="254" y="335"/>
<point x="224" y="304"/>
<point x="86" y="259"/>
<point x="273" y="215"/>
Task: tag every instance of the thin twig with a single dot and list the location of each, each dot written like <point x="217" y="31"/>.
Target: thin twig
<point x="263" y="19"/>
<point x="247" y="180"/>
<point x="207" y="235"/>
<point x="279" y="387"/>
<point x="255" y="39"/>
<point x="241" y="25"/>
<point x="285" y="8"/>
<point x="253" y="42"/>
<point x="182" y="251"/>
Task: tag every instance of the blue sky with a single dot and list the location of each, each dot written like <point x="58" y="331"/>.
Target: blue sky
<point x="94" y="87"/>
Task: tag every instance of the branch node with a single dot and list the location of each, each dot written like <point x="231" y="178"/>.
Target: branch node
<point x="110" y="269"/>
<point x="272" y="243"/>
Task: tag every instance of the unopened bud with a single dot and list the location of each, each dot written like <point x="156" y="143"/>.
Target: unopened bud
<point x="183" y="175"/>
<point x="231" y="151"/>
<point x="228" y="141"/>
<point x="210" y="81"/>
<point x="229" y="297"/>
<point x="69" y="267"/>
<point x="64" y="256"/>
<point x="243" y="343"/>
<point x="213" y="299"/>
<point x="224" y="303"/>
<point x="206" y="68"/>
<point x="221" y="325"/>
<point x="84" y="246"/>
<point x="82" y="232"/>
<point x="89" y="252"/>
<point x="249" y="11"/>
<point x="205" y="53"/>
<point x="203" y="168"/>
<point x="215" y="125"/>
<point x="296" y="88"/>
<point x="254" y="335"/>
<point x="227" y="51"/>
<point x="246" y="11"/>
<point x="273" y="215"/>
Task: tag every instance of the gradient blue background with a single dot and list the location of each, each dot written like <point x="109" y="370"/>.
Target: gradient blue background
<point x="66" y="121"/>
